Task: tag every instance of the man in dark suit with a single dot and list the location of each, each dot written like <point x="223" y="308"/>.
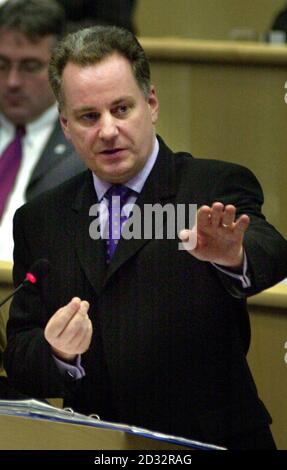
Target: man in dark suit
<point x="151" y="334"/>
<point x="28" y="32"/>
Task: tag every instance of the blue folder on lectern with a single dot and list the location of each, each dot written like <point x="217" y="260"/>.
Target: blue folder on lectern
<point x="38" y="410"/>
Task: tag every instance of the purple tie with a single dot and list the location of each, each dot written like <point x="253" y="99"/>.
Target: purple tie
<point x="9" y="165"/>
<point x="117" y="197"/>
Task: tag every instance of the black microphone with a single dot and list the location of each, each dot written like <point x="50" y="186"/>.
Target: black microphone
<point x="38" y="271"/>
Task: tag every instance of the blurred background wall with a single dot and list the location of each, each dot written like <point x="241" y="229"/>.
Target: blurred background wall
<point x="206" y="19"/>
<point x="234" y="112"/>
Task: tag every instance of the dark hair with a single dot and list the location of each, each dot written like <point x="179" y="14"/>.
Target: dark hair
<point x="33" y="18"/>
<point x="91" y="45"/>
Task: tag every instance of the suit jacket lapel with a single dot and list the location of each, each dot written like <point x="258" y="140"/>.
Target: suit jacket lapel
<point x="159" y="188"/>
<point x="91" y="252"/>
<point x="54" y="152"/>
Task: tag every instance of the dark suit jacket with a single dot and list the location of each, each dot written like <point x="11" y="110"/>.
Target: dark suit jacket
<point x="170" y="340"/>
<point x="57" y="164"/>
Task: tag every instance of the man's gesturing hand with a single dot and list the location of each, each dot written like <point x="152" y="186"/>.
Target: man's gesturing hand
<point x="219" y="235"/>
<point x="69" y="330"/>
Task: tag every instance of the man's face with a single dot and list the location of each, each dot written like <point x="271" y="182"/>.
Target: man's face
<point x="25" y="91"/>
<point x="107" y="117"/>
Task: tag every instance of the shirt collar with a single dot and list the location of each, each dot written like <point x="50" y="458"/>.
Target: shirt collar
<point x="47" y="118"/>
<point x="136" y="183"/>
<point x="5" y="124"/>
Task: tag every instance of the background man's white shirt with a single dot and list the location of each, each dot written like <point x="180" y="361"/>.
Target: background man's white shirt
<point x="34" y="141"/>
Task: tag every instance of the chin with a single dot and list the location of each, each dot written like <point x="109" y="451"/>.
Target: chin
<point x="18" y="119"/>
<point x="120" y="175"/>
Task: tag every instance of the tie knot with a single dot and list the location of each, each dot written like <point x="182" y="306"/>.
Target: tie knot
<point x="119" y="190"/>
<point x="20" y="132"/>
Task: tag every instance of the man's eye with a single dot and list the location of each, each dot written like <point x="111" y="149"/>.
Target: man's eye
<point x="90" y="117"/>
<point x="122" y="109"/>
<point x="32" y="66"/>
<point x="4" y="65"/>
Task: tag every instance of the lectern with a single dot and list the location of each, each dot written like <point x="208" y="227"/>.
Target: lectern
<point x="32" y="425"/>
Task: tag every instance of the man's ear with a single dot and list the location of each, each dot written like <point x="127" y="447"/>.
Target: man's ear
<point x="153" y="104"/>
<point x="64" y="124"/>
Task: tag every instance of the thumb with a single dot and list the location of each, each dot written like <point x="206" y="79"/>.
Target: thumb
<point x="188" y="238"/>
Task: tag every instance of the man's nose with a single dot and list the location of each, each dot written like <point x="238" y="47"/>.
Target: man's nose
<point x="108" y="127"/>
<point x="14" y="77"/>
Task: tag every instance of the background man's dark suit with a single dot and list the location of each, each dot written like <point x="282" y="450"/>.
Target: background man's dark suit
<point x="169" y="340"/>
<point x="57" y="163"/>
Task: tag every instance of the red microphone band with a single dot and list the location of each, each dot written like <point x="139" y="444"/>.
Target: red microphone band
<point x="40" y="268"/>
<point x="31" y="278"/>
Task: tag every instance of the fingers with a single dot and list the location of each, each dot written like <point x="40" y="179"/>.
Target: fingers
<point x="77" y="329"/>
<point x="215" y="216"/>
<point x="69" y="330"/>
<point x="218" y="235"/>
<point x="81" y="341"/>
<point x="204" y="217"/>
<point x="223" y="217"/>
<point x="228" y="214"/>
<point x="217" y="219"/>
<point x="63" y="316"/>
<point x="242" y="223"/>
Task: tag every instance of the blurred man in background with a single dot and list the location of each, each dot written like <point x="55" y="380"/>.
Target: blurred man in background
<point x="34" y="154"/>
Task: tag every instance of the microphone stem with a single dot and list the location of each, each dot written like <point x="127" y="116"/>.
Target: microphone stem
<point x="11" y="295"/>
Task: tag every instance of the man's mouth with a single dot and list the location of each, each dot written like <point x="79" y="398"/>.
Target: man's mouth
<point x="111" y="151"/>
<point x="14" y="99"/>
